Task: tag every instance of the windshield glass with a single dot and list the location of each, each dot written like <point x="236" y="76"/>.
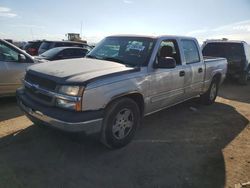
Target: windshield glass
<point x="230" y="51"/>
<point x="51" y="53"/>
<point x="131" y="51"/>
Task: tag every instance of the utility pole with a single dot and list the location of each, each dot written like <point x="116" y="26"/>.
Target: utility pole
<point x="81" y="30"/>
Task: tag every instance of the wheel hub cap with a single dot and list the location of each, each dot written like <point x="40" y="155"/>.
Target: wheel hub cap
<point x="123" y="124"/>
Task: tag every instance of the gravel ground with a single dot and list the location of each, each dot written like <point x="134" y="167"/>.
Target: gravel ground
<point x="189" y="145"/>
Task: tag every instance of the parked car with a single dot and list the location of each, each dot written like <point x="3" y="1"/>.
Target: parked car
<point x="32" y="47"/>
<point x="123" y="79"/>
<point x="64" y="53"/>
<point x="13" y="62"/>
<point x="47" y="45"/>
<point x="237" y="54"/>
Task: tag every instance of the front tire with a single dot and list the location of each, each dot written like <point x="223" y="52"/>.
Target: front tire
<point x="121" y="120"/>
<point x="210" y="96"/>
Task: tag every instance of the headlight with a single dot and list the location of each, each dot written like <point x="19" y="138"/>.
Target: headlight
<point x="70" y="90"/>
<point x="68" y="104"/>
<point x="73" y="100"/>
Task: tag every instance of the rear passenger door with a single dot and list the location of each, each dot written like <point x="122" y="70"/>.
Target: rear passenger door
<point x="195" y="63"/>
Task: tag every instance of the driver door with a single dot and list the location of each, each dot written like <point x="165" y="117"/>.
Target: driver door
<point x="167" y="85"/>
<point x="11" y="69"/>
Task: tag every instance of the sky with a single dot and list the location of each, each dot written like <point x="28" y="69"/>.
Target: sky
<point x="52" y="19"/>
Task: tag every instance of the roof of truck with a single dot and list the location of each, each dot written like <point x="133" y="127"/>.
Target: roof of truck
<point x="152" y="36"/>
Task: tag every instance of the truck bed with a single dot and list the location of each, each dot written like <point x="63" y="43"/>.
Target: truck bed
<point x="210" y="58"/>
<point x="213" y="65"/>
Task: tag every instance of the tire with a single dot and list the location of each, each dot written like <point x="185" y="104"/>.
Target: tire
<point x="210" y="96"/>
<point x="243" y="78"/>
<point x="121" y="120"/>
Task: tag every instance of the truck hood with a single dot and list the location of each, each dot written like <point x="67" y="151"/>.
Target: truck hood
<point x="78" y="70"/>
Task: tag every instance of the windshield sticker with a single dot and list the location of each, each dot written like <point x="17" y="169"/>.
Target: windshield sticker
<point x="135" y="47"/>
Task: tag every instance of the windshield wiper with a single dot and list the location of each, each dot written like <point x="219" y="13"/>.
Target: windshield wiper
<point x="114" y="59"/>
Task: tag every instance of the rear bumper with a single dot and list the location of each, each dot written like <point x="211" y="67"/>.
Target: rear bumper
<point x="88" y="122"/>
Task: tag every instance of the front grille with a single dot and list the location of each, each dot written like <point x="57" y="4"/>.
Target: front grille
<point x="38" y="95"/>
<point x="42" y="82"/>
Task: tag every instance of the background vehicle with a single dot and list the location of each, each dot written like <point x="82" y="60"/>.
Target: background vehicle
<point x="32" y="47"/>
<point x="47" y="45"/>
<point x="13" y="63"/>
<point x="64" y="53"/>
<point x="237" y="54"/>
<point x="123" y="79"/>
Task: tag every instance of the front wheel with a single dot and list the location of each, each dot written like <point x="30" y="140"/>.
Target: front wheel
<point x="209" y="97"/>
<point x="120" y="123"/>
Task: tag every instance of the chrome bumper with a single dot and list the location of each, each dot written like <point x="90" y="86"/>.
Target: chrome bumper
<point x="89" y="127"/>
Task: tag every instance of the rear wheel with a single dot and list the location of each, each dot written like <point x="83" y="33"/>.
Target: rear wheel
<point x="209" y="97"/>
<point x="120" y="123"/>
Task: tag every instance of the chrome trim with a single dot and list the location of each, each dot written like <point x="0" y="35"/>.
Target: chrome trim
<point x="51" y="93"/>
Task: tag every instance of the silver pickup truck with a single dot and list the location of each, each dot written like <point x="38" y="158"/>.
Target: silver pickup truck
<point x="120" y="81"/>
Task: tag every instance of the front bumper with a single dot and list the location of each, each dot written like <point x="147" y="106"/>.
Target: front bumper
<point x="88" y="122"/>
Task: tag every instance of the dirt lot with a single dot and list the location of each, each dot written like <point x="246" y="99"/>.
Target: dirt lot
<point x="203" y="146"/>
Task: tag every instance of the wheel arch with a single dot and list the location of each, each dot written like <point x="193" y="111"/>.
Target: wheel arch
<point x="217" y="76"/>
<point x="135" y="96"/>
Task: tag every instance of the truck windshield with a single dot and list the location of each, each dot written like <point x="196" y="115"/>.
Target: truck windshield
<point x="130" y="51"/>
<point x="230" y="51"/>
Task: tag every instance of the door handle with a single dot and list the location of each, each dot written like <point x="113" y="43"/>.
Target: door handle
<point x="200" y="70"/>
<point x="182" y="73"/>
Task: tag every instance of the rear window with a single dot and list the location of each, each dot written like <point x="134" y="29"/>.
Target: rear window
<point x="227" y="50"/>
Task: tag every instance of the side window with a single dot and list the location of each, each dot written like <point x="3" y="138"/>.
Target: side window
<point x="59" y="44"/>
<point x="169" y="48"/>
<point x="191" y="51"/>
<point x="7" y="54"/>
<point x="68" y="53"/>
<point x="81" y="52"/>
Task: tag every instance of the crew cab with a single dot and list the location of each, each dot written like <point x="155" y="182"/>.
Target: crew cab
<point x="237" y="54"/>
<point x="123" y="79"/>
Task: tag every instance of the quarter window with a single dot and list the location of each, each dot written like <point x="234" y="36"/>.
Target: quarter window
<point x="191" y="52"/>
